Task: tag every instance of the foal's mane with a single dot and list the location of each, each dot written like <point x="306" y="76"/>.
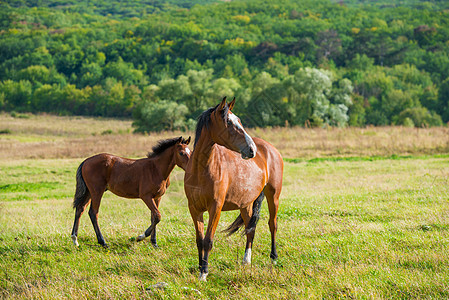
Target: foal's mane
<point x="204" y="119"/>
<point x="161" y="146"/>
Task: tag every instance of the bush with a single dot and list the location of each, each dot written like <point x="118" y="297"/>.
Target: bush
<point x="158" y="116"/>
<point x="419" y="116"/>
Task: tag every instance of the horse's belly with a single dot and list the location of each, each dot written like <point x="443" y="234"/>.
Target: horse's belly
<point x="244" y="188"/>
<point x="125" y="193"/>
<point x="242" y="198"/>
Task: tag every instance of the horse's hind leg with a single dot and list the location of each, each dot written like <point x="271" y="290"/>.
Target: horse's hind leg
<point x="155" y="217"/>
<point x="78" y="212"/>
<point x="246" y="215"/>
<point x="250" y="216"/>
<point x="272" y="195"/>
<point x="93" y="214"/>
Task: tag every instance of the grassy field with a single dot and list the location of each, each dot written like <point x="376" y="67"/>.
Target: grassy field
<point x="362" y="222"/>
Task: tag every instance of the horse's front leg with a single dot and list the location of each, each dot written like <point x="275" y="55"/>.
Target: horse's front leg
<point x="208" y="241"/>
<point x="155" y="217"/>
<point x="198" y="222"/>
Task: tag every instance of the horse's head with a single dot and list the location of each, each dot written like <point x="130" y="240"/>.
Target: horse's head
<point x="227" y="130"/>
<point x="182" y="152"/>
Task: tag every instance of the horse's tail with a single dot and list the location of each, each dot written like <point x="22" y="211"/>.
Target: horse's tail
<point x="81" y="193"/>
<point x="238" y="223"/>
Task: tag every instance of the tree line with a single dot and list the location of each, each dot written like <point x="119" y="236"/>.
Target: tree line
<point x="288" y="63"/>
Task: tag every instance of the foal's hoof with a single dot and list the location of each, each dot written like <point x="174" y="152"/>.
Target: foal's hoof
<point x="155" y="246"/>
<point x="140" y="238"/>
<point x="274" y="262"/>
<point x="203" y="277"/>
<point x="105" y="246"/>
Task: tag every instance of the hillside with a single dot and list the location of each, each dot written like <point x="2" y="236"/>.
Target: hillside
<point x="307" y="63"/>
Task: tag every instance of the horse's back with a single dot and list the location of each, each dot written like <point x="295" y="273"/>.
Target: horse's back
<point x="269" y="154"/>
<point x="273" y="162"/>
<point x="113" y="172"/>
<point x="97" y="164"/>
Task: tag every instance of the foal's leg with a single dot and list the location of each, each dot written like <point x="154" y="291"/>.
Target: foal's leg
<point x="78" y="212"/>
<point x="208" y="241"/>
<point x="149" y="201"/>
<point x="273" y="204"/>
<point x="153" y="234"/>
<point x="246" y="214"/>
<point x="93" y="214"/>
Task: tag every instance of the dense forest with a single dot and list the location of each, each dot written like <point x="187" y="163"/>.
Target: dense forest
<point x="288" y="62"/>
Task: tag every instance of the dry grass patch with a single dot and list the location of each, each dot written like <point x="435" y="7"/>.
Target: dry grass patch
<point x="46" y="136"/>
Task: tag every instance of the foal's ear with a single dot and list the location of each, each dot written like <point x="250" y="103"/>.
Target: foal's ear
<point x="187" y="141"/>
<point x="179" y="141"/>
<point x="231" y="105"/>
<point x="222" y="104"/>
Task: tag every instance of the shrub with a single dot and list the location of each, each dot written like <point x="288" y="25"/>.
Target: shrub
<point x="419" y="116"/>
<point x="159" y="116"/>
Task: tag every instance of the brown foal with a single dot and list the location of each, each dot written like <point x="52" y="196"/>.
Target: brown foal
<point x="146" y="178"/>
<point x="229" y="170"/>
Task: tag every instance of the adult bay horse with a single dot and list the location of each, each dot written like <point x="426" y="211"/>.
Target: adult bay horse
<point x="229" y="170"/>
<point x="146" y="178"/>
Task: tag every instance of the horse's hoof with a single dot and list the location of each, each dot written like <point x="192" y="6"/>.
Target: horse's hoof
<point x="155" y="246"/>
<point x="141" y="237"/>
<point x="75" y="240"/>
<point x="106" y="246"/>
<point x="203" y="277"/>
<point x="274" y="262"/>
<point x="247" y="257"/>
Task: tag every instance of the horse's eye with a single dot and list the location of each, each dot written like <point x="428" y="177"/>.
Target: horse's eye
<point x="181" y="153"/>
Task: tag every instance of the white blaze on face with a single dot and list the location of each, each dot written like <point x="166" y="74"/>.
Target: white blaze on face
<point x="235" y="121"/>
<point x="188" y="151"/>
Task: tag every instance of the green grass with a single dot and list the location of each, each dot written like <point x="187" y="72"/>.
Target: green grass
<point x="347" y="229"/>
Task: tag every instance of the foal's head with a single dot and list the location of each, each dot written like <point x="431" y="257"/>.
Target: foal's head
<point x="177" y="146"/>
<point x="227" y="130"/>
<point x="182" y="152"/>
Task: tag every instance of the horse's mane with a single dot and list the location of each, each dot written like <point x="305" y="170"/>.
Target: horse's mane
<point x="161" y="146"/>
<point x="204" y="119"/>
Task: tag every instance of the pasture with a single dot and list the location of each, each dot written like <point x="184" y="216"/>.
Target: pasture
<point x="364" y="214"/>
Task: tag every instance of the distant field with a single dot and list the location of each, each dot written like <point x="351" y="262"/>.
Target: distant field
<point x="45" y="136"/>
<point x="355" y="228"/>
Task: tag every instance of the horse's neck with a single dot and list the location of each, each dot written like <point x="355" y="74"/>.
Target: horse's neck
<point x="203" y="150"/>
<point x="165" y="162"/>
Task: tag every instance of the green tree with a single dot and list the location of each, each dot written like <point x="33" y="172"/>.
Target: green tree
<point x="419" y="117"/>
<point x="159" y="116"/>
<point x="443" y="100"/>
<point x="16" y="95"/>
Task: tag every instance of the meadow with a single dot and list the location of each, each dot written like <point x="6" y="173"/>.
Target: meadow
<point x="364" y="214"/>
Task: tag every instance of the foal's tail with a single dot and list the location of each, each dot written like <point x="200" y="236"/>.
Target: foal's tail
<point x="81" y="193"/>
<point x="238" y="223"/>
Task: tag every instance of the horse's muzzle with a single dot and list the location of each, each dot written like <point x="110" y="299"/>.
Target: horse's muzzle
<point x="249" y="152"/>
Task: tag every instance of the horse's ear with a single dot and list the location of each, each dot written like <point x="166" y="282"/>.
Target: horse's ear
<point x="222" y="104"/>
<point x="179" y="141"/>
<point x="187" y="141"/>
<point x="231" y="105"/>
